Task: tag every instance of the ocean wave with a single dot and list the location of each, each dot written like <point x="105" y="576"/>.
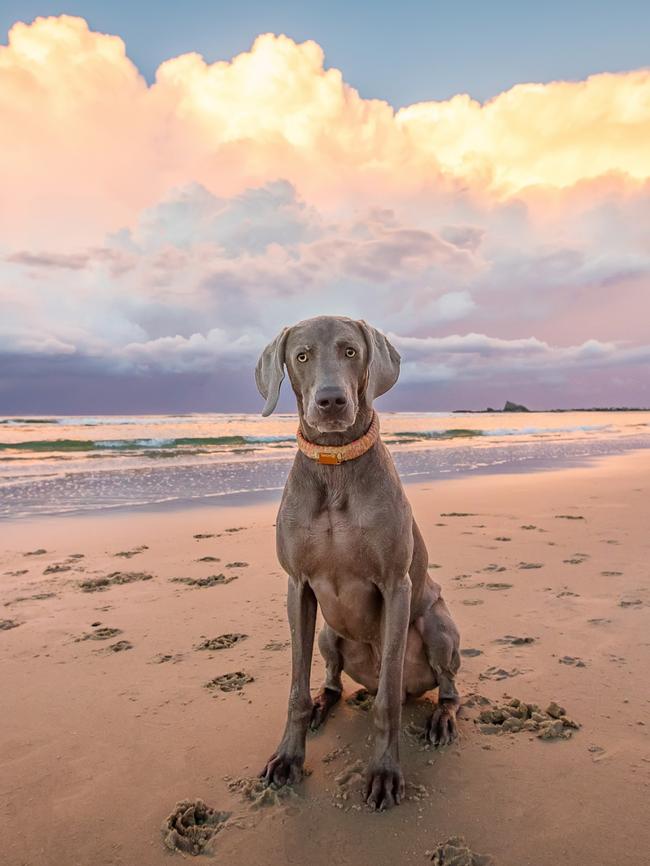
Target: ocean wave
<point x="183" y="442"/>
<point x="454" y="433"/>
<point x="23" y="421"/>
<point x="532" y="431"/>
<point x="403" y="436"/>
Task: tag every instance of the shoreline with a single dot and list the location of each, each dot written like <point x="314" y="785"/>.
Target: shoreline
<point x="415" y="465"/>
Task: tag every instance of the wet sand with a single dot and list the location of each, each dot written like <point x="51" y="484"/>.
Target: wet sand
<point x="142" y="665"/>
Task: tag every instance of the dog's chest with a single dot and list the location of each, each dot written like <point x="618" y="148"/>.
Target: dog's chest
<point x="328" y="537"/>
<point x="340" y="559"/>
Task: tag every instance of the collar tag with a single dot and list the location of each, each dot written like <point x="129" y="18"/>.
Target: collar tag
<point x="329" y="459"/>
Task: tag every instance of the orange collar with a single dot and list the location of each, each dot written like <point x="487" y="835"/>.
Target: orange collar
<point x="331" y="455"/>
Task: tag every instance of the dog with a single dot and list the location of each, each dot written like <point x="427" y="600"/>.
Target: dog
<point x="346" y="537"/>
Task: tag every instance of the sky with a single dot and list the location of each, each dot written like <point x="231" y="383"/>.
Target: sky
<point x="179" y="181"/>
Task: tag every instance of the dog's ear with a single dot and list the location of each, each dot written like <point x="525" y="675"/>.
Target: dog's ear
<point x="383" y="362"/>
<point x="269" y="372"/>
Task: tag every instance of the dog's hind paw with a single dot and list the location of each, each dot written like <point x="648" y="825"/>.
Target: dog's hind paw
<point x="442" y="727"/>
<point x="323" y="703"/>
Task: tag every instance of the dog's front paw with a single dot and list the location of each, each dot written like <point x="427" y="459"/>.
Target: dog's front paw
<point x="442" y="727"/>
<point x="283" y="769"/>
<point x="384" y="785"/>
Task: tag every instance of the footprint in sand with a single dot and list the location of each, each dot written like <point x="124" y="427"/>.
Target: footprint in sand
<point x="336" y="753"/>
<point x="630" y="602"/>
<point x="569" y="517"/>
<point x="192" y="827"/>
<point x="497" y="586"/>
<point x="224" y="641"/>
<point x="598" y="753"/>
<point x="350" y="780"/>
<point x="472" y="601"/>
<point x="121" y="577"/>
<point x="502" y="538"/>
<point x="129" y="554"/>
<point x="115" y="578"/>
<point x="457" y="514"/>
<point x="162" y="658"/>
<point x="209" y="559"/>
<point x="57" y="568"/>
<point x="493" y="567"/>
<point x="94" y="584"/>
<point x="456" y="852"/>
<point x="260" y="795"/>
<point x="201" y="535"/>
<point x="118" y="647"/>
<point x="101" y="633"/>
<point x="599" y="621"/>
<point x="567" y="593"/>
<point x="494" y="673"/>
<point x="611" y="573"/>
<point x="434" y="565"/>
<point x="275" y="645"/>
<point x="6" y="624"/>
<point x="17" y="573"/>
<point x="575" y="560"/>
<point x="471" y="653"/>
<point x="202" y="582"/>
<point x="575" y="661"/>
<point x="232" y="682"/>
<point x="514" y="640"/>
<point x="38" y="552"/>
<point x="38" y="596"/>
<point x="236" y="564"/>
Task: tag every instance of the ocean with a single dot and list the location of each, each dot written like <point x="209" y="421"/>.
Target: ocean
<point x="70" y="465"/>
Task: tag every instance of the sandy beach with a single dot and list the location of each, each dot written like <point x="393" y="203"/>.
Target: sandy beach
<point x="108" y="719"/>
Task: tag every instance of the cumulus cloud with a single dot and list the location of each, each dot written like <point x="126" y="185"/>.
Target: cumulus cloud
<point x="116" y="145"/>
<point x="174" y="228"/>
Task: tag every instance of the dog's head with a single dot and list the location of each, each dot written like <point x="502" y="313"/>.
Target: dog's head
<point x="335" y="365"/>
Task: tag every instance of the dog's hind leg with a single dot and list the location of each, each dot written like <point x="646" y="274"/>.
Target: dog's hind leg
<point x="329" y="644"/>
<point x="441" y="640"/>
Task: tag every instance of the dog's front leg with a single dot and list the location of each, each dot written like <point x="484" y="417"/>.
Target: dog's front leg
<point x="286" y="763"/>
<point x="384" y="782"/>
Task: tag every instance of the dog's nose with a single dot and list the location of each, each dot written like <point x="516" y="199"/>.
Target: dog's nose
<point x="331" y="399"/>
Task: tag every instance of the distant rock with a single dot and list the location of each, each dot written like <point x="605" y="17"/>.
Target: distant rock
<point x="514" y="407"/>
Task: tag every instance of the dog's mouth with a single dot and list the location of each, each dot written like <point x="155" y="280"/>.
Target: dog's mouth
<point x="331" y="425"/>
<point x="324" y="423"/>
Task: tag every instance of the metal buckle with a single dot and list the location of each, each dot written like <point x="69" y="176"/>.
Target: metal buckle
<point x="330" y="459"/>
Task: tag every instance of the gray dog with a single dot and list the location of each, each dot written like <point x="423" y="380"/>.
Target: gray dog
<point x="348" y="541"/>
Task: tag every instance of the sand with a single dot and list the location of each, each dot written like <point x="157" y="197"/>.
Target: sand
<point x="129" y="690"/>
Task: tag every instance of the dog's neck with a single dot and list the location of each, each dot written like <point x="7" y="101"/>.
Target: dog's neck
<point x="343" y="437"/>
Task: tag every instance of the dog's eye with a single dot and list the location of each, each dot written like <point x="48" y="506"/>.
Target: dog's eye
<point x="302" y="357"/>
<point x="350" y="352"/>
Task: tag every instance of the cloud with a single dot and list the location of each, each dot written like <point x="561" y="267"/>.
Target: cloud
<point x="480" y="357"/>
<point x="170" y="230"/>
<point x="116" y="145"/>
